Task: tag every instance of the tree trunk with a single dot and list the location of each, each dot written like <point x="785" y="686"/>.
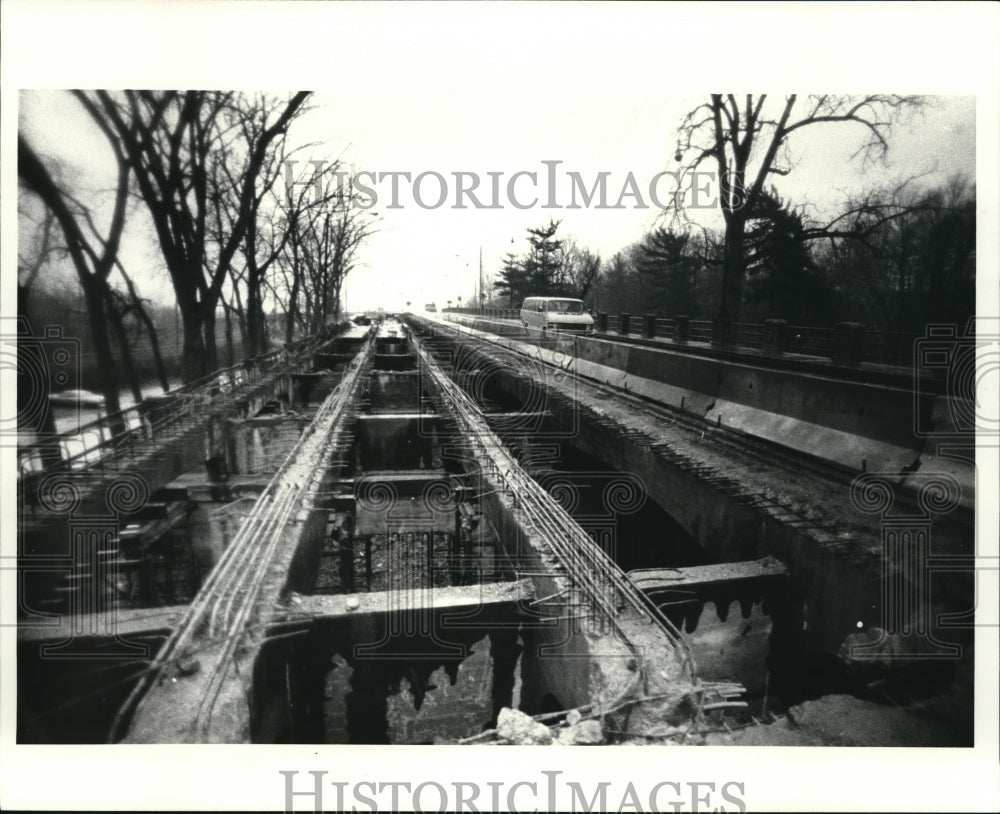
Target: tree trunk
<point x="115" y="318"/>
<point x="241" y="318"/>
<point x="307" y="313"/>
<point x="253" y="315"/>
<point x="255" y="318"/>
<point x="336" y="299"/>
<point x="154" y="341"/>
<point x="733" y="270"/>
<point x="293" y="299"/>
<point x="211" y="361"/>
<point x="193" y="362"/>
<point x="230" y="348"/>
<point x="94" y="289"/>
<point x="154" y="344"/>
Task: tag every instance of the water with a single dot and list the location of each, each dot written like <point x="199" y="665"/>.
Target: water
<point x="69" y="422"/>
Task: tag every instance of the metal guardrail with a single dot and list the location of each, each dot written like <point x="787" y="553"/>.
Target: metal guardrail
<point x="807" y="339"/>
<point x="700" y="330"/>
<point x="748" y="335"/>
<point x="846" y="342"/>
<point x="665" y="327"/>
<point x="113" y="440"/>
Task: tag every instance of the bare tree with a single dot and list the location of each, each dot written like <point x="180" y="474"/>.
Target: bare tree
<point x="119" y="307"/>
<point x="136" y="305"/>
<point x="93" y="257"/>
<point x="35" y="254"/>
<point x="748" y="142"/>
<point x="284" y="209"/>
<point x="174" y="143"/>
<point x="580" y="268"/>
<point x="906" y="254"/>
<point x="267" y="230"/>
<point x="325" y="229"/>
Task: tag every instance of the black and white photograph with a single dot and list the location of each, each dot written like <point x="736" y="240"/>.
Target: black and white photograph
<point x="498" y="378"/>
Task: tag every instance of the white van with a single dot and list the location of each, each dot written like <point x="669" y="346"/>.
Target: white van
<point x="543" y="315"/>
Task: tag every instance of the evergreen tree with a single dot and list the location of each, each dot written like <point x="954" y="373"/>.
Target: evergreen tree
<point x="512" y="282"/>
<point x="666" y="271"/>
<point x="784" y="281"/>
<point x="543" y="266"/>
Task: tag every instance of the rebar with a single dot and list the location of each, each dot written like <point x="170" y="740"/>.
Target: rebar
<point x="230" y="593"/>
<point x="590" y="570"/>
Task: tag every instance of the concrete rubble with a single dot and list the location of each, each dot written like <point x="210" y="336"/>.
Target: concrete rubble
<point x="519" y="729"/>
<point x="584" y="733"/>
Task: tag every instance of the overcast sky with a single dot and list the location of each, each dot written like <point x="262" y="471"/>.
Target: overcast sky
<point x="595" y="91"/>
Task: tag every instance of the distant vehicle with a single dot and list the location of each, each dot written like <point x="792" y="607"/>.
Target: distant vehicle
<point x="362" y="319"/>
<point x="430" y="308"/>
<point x="547" y="315"/>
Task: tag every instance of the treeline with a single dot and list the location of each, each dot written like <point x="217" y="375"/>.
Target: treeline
<point x="256" y="243"/>
<point x="551" y="265"/>
<point x="894" y="258"/>
<point x="908" y="270"/>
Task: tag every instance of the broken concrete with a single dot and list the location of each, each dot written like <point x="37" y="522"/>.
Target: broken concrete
<point x="516" y="728"/>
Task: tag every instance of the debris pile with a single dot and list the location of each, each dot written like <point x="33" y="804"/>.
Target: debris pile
<point x="701" y="711"/>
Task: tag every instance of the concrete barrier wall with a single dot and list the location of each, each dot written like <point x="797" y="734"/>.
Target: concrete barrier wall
<point x="858" y="425"/>
<point x="855" y="424"/>
<point x="861" y="426"/>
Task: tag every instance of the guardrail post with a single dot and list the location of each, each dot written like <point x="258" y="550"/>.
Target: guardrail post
<point x="775" y="335"/>
<point x="623" y="320"/>
<point x="721" y="331"/>
<point x="649" y="325"/>
<point x="602" y="322"/>
<point x="848" y="342"/>
<point x="682" y="327"/>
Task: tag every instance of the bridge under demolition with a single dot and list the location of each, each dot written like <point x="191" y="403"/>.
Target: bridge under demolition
<point x="399" y="535"/>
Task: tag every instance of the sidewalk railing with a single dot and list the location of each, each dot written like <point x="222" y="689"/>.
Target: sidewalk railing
<point x="846" y="343"/>
<point x="118" y="436"/>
